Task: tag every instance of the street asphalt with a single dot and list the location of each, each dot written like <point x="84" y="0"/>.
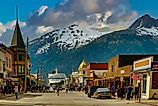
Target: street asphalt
<point x="64" y="99"/>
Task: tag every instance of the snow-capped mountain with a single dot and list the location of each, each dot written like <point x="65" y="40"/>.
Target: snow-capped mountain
<point x="68" y="38"/>
<point x="145" y="25"/>
<point x="65" y="48"/>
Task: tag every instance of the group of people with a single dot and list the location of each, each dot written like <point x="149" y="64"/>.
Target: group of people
<point x="10" y="89"/>
<point x="36" y="88"/>
<point x="128" y="92"/>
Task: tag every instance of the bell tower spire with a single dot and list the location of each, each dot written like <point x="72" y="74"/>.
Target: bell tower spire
<point x="17" y="40"/>
<point x="17" y="14"/>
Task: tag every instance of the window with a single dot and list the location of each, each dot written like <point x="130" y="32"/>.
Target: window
<point x="21" y="57"/>
<point x="4" y="68"/>
<point x="9" y="63"/>
<point x="21" y="69"/>
<point x="112" y="68"/>
<point x="15" y="68"/>
<point x="83" y="72"/>
<point x="15" y="57"/>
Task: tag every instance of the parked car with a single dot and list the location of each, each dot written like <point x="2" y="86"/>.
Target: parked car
<point x="91" y="90"/>
<point x="102" y="93"/>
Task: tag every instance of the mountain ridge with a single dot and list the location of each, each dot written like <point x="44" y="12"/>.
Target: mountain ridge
<point x="100" y="49"/>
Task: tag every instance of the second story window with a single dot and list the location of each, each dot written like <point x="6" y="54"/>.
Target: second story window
<point x="112" y="68"/>
<point x="21" y="57"/>
<point x="15" y="57"/>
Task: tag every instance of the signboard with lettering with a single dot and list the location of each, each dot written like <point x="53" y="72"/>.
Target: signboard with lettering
<point x="154" y="80"/>
<point x="142" y="64"/>
<point x="154" y="66"/>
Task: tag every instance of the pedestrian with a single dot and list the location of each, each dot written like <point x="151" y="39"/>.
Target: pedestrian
<point x="16" y="90"/>
<point x="86" y="89"/>
<point x="136" y="92"/>
<point x="1" y="90"/>
<point x="133" y="92"/>
<point x="129" y="90"/>
<point x="122" y="92"/>
<point x="113" y="90"/>
<point x="58" y="90"/>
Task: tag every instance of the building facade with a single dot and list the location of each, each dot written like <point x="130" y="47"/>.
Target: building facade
<point x="56" y="78"/>
<point x="3" y="71"/>
<point x="96" y="72"/>
<point x="147" y="76"/>
<point x="20" y="61"/>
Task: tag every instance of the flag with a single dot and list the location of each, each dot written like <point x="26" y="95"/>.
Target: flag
<point x="134" y="76"/>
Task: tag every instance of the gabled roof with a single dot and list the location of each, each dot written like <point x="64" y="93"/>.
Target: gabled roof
<point x="83" y="65"/>
<point x="98" y="66"/>
<point x="17" y="40"/>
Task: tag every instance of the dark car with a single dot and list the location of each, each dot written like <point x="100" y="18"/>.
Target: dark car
<point x="91" y="90"/>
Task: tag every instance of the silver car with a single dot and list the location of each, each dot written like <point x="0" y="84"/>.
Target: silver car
<point x="102" y="93"/>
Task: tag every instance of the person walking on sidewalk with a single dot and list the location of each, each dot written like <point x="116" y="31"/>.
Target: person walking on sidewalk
<point x="58" y="90"/>
<point x="129" y="90"/>
<point x="16" y="90"/>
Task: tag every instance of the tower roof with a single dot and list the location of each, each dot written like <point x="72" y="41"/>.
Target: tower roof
<point x="83" y="65"/>
<point x="17" y="40"/>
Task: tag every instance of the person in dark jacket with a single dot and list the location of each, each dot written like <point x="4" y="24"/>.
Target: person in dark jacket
<point x="136" y="93"/>
<point x="129" y="90"/>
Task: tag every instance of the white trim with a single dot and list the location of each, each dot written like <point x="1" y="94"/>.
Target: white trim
<point x="143" y="67"/>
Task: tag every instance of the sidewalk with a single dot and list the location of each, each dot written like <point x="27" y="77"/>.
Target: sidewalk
<point x="150" y="102"/>
<point x="7" y="95"/>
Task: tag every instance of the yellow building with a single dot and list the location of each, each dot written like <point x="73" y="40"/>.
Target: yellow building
<point x="81" y="72"/>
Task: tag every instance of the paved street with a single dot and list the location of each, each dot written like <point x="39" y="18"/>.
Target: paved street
<point x="65" y="99"/>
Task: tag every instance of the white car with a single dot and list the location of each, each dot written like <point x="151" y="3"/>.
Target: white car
<point x="102" y="93"/>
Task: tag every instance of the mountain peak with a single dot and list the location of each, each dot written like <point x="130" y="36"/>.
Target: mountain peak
<point x="146" y="21"/>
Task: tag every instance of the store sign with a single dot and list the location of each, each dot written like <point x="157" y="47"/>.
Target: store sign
<point x="154" y="66"/>
<point x="143" y="64"/>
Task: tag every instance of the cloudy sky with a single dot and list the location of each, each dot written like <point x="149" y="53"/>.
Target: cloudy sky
<point x="38" y="17"/>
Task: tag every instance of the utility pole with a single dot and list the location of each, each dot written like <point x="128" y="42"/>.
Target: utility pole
<point x="26" y="64"/>
<point x="37" y="76"/>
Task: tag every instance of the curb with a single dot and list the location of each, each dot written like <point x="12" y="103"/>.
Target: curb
<point x="148" y="104"/>
<point x="9" y="95"/>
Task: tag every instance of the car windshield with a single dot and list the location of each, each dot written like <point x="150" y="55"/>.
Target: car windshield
<point x="102" y="90"/>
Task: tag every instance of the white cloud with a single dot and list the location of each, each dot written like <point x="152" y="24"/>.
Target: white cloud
<point x="109" y="11"/>
<point x="2" y="29"/>
<point x="44" y="29"/>
<point x="11" y="25"/>
<point x="41" y="10"/>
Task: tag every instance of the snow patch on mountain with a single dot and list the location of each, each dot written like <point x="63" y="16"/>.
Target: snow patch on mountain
<point x="43" y="49"/>
<point x="153" y="31"/>
<point x="71" y="37"/>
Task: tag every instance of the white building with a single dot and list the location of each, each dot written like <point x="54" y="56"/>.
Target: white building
<point x="56" y="78"/>
<point x="146" y="75"/>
